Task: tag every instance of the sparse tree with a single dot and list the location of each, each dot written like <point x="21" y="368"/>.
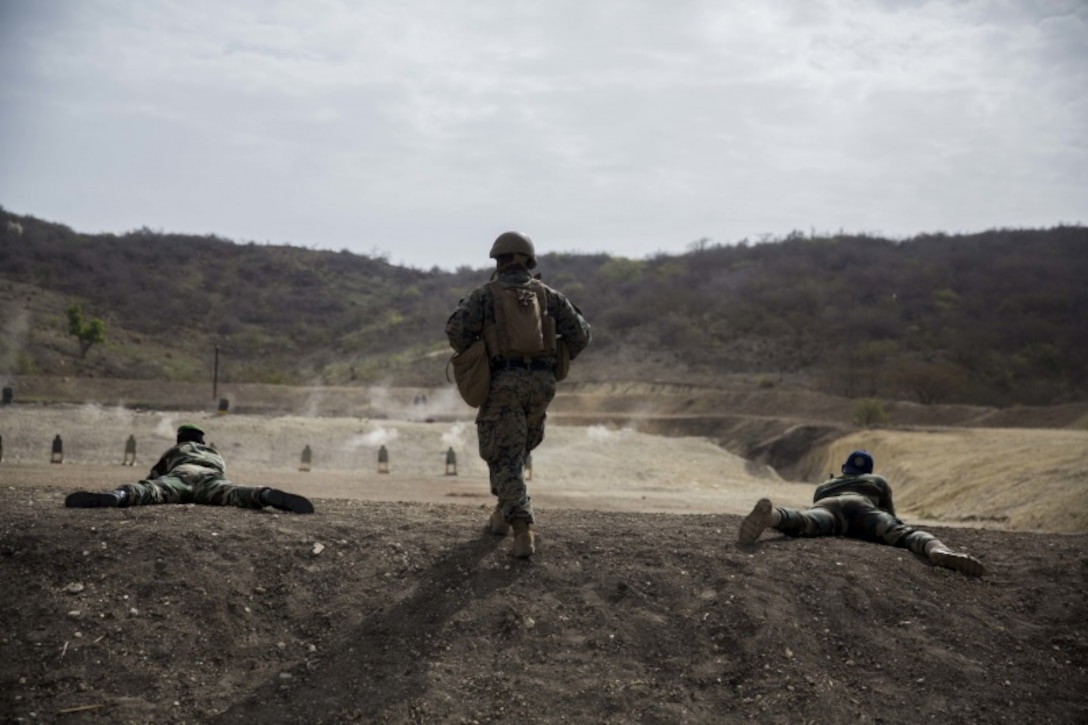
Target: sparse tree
<point x="88" y="332"/>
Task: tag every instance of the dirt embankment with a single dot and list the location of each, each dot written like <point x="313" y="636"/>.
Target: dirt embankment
<point x="387" y="612"/>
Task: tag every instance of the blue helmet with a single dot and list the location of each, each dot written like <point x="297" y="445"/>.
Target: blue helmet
<point x="857" y="463"/>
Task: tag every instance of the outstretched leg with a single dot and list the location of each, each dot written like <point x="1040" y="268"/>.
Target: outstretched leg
<point x="877" y="525"/>
<point x="941" y="555"/>
<point x="823" y="519"/>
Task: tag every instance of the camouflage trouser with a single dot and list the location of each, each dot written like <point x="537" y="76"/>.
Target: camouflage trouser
<point x="853" y="516"/>
<point x="192" y="484"/>
<point x="509" y="425"/>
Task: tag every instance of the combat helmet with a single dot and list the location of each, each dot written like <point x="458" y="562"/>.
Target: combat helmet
<point x="514" y="243"/>
<point x="190" y="432"/>
<point x="857" y="463"/>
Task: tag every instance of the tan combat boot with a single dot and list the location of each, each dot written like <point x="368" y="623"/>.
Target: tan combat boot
<point x="524" y="539"/>
<point x="941" y="555"/>
<point x="756" y="522"/>
<point x="497" y="524"/>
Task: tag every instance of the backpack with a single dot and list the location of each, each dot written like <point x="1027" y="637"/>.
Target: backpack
<point x="523" y="328"/>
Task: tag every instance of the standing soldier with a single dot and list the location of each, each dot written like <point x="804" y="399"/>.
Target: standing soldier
<point x="57" y="455"/>
<point x="531" y="332"/>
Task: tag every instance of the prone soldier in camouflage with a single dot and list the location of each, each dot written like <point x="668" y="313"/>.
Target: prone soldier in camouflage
<point x="510" y="423"/>
<point x="191" y="472"/>
<point x="857" y="504"/>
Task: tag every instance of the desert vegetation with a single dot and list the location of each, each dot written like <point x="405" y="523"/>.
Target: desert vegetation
<point x="994" y="318"/>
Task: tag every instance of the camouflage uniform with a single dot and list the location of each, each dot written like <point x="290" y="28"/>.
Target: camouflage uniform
<point x="191" y="473"/>
<point x="857" y="506"/>
<point x="510" y="423"/>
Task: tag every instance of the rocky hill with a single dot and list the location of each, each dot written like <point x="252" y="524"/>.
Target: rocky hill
<point x="994" y="318"/>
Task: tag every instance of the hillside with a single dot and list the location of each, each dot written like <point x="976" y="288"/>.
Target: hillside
<point x="994" y="318"/>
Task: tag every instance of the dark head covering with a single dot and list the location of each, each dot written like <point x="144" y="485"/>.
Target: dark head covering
<point x="190" y="433"/>
<point x="857" y="463"/>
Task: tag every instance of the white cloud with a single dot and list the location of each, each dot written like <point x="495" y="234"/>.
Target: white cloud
<point x="425" y="127"/>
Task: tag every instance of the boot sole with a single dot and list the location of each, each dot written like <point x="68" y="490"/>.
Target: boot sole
<point x="962" y="563"/>
<point x="289" y="502"/>
<point x="89" y="500"/>
<point x="756" y="522"/>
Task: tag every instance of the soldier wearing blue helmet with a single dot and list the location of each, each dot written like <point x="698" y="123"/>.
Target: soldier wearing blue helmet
<point x="857" y="504"/>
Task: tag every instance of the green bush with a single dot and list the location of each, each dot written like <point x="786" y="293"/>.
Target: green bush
<point x="870" y="413"/>
<point x="25" y="364"/>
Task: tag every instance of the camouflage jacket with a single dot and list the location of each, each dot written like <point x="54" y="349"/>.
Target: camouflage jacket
<point x="466" y="324"/>
<point x="195" y="454"/>
<point x="873" y="487"/>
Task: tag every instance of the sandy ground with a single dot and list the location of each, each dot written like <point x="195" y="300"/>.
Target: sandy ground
<point x="594" y="467"/>
<point x="1021" y="479"/>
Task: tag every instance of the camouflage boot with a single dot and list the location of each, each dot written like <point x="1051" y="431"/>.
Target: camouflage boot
<point x="524" y="539"/>
<point x="497" y="523"/>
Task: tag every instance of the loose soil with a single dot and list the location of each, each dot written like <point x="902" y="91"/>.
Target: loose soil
<point x="392" y="605"/>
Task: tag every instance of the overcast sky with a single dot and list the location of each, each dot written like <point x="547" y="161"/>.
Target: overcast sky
<point x="420" y="129"/>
